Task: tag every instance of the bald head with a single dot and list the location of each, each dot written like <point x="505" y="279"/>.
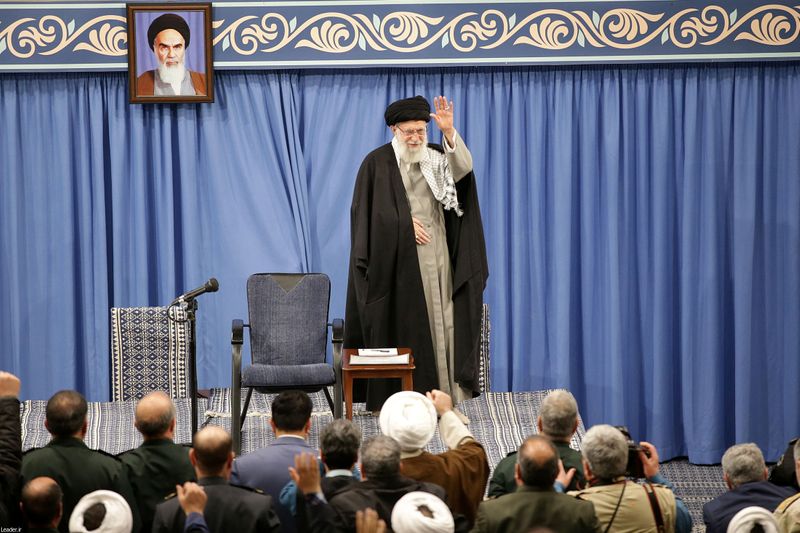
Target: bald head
<point x="41" y="502"/>
<point x="212" y="452"/>
<point x="155" y="416"/>
<point x="537" y="462"/>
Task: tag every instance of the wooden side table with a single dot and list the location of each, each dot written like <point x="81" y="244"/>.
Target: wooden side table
<point x="352" y="372"/>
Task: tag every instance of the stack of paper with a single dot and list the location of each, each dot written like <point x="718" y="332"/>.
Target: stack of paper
<point x="379" y="356"/>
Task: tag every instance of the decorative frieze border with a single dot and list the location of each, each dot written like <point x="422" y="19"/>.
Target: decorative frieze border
<point x="357" y="33"/>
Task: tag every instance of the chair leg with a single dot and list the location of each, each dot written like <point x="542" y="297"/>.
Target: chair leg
<point x="330" y="400"/>
<point x="245" y="406"/>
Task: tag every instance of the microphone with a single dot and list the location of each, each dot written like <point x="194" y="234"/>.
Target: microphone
<point x="211" y="285"/>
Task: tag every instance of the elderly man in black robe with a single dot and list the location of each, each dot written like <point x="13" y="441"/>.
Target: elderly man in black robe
<point x="417" y="257"/>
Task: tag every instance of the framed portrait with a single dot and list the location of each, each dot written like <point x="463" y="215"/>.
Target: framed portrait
<point x="169" y="53"/>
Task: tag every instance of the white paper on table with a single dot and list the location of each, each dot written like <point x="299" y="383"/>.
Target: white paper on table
<point x="377" y="352"/>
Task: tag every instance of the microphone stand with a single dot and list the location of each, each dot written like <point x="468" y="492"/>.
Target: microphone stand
<point x="191" y="314"/>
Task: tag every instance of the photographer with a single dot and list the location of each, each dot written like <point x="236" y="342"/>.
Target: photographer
<point x="621" y="504"/>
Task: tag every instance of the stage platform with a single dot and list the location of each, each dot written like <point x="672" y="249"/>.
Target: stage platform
<point x="500" y="421"/>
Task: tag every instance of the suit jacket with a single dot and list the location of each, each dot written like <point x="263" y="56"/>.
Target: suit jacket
<point x="10" y="461"/>
<point x="531" y="507"/>
<point x="379" y="494"/>
<point x="267" y="469"/>
<point x="153" y="470"/>
<point x="78" y="471"/>
<point x="229" y="509"/>
<point x="718" y="512"/>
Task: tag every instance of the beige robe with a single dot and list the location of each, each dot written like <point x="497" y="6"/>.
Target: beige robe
<point x="434" y="260"/>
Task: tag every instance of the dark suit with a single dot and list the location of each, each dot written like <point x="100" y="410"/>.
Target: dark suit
<point x="379" y="494"/>
<point x="153" y="470"/>
<point x="10" y="461"/>
<point x="229" y="509"/>
<point x="530" y="507"/>
<point x="78" y="471"/>
<point x="268" y="469"/>
<point x="718" y="512"/>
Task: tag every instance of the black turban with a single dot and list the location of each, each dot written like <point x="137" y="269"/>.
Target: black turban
<point x="416" y="108"/>
<point x="168" y="21"/>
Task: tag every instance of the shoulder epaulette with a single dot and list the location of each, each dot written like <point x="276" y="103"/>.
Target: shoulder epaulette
<point x="245" y="487"/>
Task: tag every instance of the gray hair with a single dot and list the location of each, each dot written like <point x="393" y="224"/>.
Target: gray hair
<point x="339" y="442"/>
<point x="743" y="463"/>
<point x="559" y="412"/>
<point x="380" y="457"/>
<point x="606" y="450"/>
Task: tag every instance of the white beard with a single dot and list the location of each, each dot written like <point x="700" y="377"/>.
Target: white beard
<point x="408" y="154"/>
<point x="172" y="75"/>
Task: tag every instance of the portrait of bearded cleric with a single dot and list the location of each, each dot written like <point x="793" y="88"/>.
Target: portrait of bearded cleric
<point x="169" y="53"/>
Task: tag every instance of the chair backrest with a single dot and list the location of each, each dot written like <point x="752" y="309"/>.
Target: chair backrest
<point x="149" y="352"/>
<point x="288" y="316"/>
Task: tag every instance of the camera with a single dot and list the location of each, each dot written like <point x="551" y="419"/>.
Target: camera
<point x="635" y="468"/>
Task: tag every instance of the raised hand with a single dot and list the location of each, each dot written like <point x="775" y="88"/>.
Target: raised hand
<point x="444" y="116"/>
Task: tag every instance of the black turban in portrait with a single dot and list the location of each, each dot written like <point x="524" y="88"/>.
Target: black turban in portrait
<point x="168" y="21"/>
<point x="416" y="108"/>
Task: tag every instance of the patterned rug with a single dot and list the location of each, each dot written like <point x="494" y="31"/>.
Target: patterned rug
<point x="498" y="420"/>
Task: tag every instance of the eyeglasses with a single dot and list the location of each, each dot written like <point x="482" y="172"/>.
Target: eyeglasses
<point x="421" y="132"/>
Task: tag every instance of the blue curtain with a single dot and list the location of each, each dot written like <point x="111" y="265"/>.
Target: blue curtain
<point x="642" y="224"/>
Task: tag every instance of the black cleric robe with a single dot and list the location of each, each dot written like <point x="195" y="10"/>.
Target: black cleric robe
<point x="385" y="298"/>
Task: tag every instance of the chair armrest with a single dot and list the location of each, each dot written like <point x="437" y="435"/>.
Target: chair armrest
<point x="237" y="331"/>
<point x="337" y="333"/>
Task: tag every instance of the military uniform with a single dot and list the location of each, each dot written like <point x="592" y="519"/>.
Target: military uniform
<point x="229" y="508"/>
<point x="787" y="515"/>
<point x="634" y="514"/>
<point x="503" y="481"/>
<point x="78" y="471"/>
<point x="153" y="470"/>
<point x="531" y="507"/>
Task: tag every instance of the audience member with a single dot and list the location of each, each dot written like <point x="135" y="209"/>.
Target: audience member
<point x="41" y="504"/>
<point x="77" y="469"/>
<point x="536" y="503"/>
<point x="267" y="469"/>
<point x="463" y="470"/>
<point x="621" y="504"/>
<point x="229" y="508"/>
<point x="10" y="450"/>
<point x="382" y="486"/>
<point x="745" y="473"/>
<point x="155" y="467"/>
<point x="101" y="511"/>
<point x="787" y="514"/>
<point x="338" y="445"/>
<point x="422" y="512"/>
<point x="558" y="420"/>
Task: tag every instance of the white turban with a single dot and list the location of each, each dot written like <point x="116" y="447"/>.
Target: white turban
<point x="118" y="517"/>
<point x="410" y="419"/>
<point x="744" y="520"/>
<point x="411" y="514"/>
